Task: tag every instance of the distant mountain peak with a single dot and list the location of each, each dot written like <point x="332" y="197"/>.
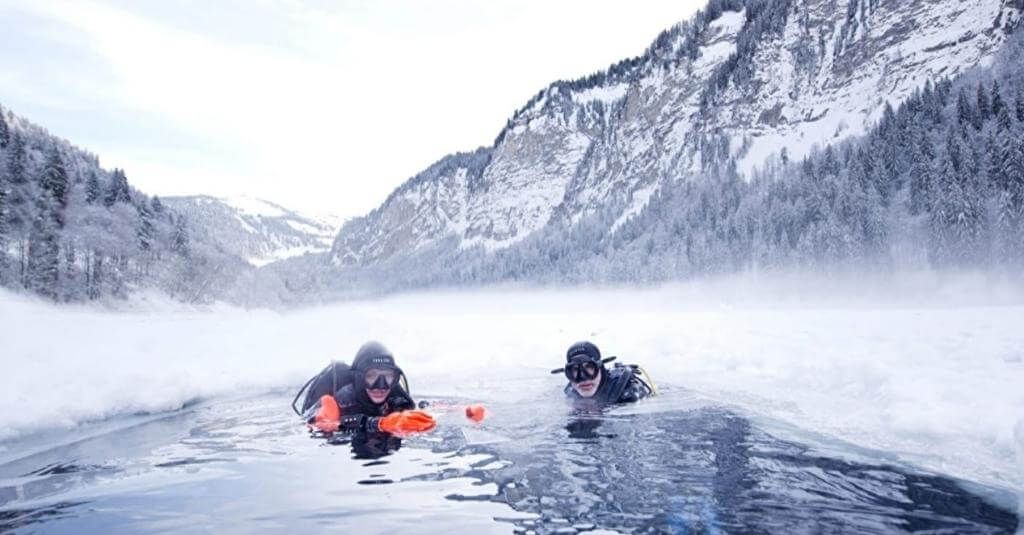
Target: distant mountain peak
<point x="259" y="231"/>
<point x="255" y="207"/>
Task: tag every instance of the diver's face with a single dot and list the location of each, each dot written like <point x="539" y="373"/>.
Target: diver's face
<point x="589" y="387"/>
<point x="378" y="384"/>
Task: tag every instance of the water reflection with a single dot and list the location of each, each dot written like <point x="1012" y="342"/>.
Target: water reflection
<point x="586" y="428"/>
<point x="709" y="470"/>
<point x="367" y="445"/>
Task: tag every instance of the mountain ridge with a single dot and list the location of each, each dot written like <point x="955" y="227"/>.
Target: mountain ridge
<point x="729" y="84"/>
<point x="259" y="231"/>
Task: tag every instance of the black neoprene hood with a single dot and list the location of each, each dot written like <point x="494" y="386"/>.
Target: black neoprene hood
<point x="373" y="355"/>
<point x="583" y="349"/>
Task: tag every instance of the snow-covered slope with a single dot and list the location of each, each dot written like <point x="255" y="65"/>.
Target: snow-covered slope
<point x="258" y="231"/>
<point x="741" y="84"/>
<point x="881" y="53"/>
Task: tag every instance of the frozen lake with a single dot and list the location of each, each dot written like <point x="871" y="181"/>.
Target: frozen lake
<point x="816" y="402"/>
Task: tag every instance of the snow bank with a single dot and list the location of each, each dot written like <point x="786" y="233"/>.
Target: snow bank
<point x="914" y="376"/>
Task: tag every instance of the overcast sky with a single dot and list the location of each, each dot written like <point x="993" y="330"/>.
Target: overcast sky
<point x="323" y="106"/>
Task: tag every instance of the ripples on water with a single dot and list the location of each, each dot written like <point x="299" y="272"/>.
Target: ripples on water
<point x="246" y="466"/>
<point x="706" y="470"/>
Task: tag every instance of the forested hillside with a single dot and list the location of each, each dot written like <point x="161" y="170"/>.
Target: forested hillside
<point x="71" y="230"/>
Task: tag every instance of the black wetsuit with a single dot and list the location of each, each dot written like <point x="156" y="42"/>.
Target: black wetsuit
<point x="358" y="413"/>
<point x="618" y="385"/>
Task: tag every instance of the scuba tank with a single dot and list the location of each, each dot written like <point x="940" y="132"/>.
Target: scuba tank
<point x="331" y="379"/>
<point x="619" y="378"/>
<point x="640" y="373"/>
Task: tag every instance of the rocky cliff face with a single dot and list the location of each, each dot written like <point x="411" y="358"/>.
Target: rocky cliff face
<point x="745" y="82"/>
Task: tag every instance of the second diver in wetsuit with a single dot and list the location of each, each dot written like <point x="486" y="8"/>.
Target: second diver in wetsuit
<point x="590" y="380"/>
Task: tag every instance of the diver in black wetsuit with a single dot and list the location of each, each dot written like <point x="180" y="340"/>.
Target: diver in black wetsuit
<point x="591" y="380"/>
<point x="370" y="396"/>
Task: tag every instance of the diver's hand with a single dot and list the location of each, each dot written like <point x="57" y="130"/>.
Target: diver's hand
<point x="403" y="422"/>
<point x="328" y="415"/>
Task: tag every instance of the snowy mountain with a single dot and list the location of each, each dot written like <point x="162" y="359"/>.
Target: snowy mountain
<point x="760" y="134"/>
<point x="745" y="82"/>
<point x="259" y="231"/>
<point x="73" y="230"/>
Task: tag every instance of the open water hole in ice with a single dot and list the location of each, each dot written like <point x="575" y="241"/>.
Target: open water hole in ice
<point x="676" y="465"/>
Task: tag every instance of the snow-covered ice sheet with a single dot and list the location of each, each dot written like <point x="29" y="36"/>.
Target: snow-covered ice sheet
<point x="931" y="377"/>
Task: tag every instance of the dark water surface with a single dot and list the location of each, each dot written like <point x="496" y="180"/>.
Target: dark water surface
<point x="245" y="466"/>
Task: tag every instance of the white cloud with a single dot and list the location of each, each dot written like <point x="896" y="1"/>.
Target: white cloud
<point x="327" y="108"/>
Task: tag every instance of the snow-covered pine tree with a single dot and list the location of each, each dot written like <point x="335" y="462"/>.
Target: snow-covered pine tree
<point x="43" y="263"/>
<point x="945" y="202"/>
<point x="54" y="181"/>
<point x="92" y="188"/>
<point x="1013" y="177"/>
<point x="922" y="155"/>
<point x="17" y="181"/>
<point x="984" y="105"/>
<point x="1004" y="122"/>
<point x="5" y="130"/>
<point x="972" y="228"/>
<point x="19" y="211"/>
<point x="1020" y="106"/>
<point x="966" y="113"/>
<point x="179" y="238"/>
<point x="998" y="104"/>
<point x="118" y="190"/>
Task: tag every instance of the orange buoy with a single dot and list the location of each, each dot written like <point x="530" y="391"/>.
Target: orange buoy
<point x="475" y="413"/>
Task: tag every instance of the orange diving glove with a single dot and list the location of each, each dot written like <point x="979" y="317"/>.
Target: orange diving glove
<point x="406" y="422"/>
<point x="328" y="416"/>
